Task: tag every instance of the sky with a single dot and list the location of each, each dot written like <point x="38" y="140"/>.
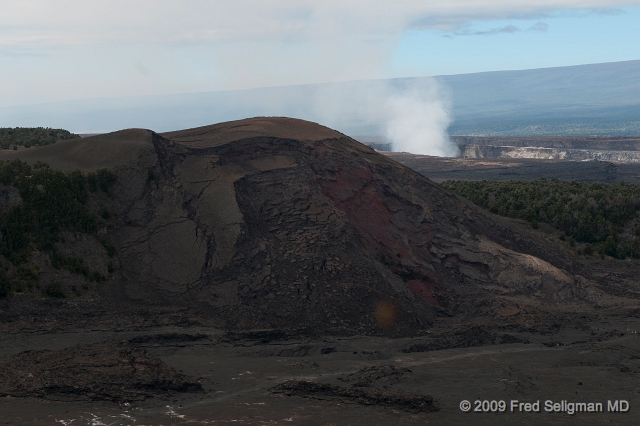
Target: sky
<point x="58" y="50"/>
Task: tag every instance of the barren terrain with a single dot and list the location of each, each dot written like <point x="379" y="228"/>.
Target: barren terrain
<point x="249" y="381"/>
<point x="439" y="169"/>
<point x="274" y="271"/>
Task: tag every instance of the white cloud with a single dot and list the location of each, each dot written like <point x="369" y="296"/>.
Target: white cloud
<point x="54" y="50"/>
<point x="507" y="29"/>
<point x="52" y="23"/>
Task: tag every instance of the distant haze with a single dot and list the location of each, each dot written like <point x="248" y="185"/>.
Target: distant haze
<point x="412" y="113"/>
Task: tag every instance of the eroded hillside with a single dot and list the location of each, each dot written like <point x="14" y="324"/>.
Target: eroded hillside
<point x="281" y="224"/>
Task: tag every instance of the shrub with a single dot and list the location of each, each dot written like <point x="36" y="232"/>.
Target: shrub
<point x="5" y="285"/>
<point x="54" y="291"/>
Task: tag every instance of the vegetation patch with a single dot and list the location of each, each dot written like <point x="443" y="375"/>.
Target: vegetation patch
<point x="603" y="218"/>
<point x="51" y="202"/>
<point x="12" y="138"/>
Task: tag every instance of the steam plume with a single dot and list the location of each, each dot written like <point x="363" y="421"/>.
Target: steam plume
<point x="413" y="115"/>
<point x="418" y="118"/>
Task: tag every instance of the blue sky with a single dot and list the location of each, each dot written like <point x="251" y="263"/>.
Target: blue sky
<point x="57" y="50"/>
<point x="562" y="38"/>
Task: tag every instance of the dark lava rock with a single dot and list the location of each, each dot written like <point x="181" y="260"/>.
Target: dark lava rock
<point x="100" y="372"/>
<point x="509" y="338"/>
<point x="376" y="375"/>
<point x="286" y="225"/>
<point x="166" y="338"/>
<point x="465" y="338"/>
<point x="382" y="397"/>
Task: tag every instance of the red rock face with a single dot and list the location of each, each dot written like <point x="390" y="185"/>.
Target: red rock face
<point x="388" y="236"/>
<point x="354" y="192"/>
<point x="425" y="290"/>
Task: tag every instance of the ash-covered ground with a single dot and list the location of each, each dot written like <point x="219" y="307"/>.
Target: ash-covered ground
<point x="205" y="376"/>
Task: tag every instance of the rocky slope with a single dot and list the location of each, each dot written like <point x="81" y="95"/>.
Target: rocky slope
<point x="593" y="143"/>
<point x="487" y="151"/>
<point x="282" y="224"/>
<point x="617" y="149"/>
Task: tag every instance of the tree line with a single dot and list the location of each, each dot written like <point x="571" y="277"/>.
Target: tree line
<point x="51" y="201"/>
<point x="12" y="138"/>
<point x="594" y="218"/>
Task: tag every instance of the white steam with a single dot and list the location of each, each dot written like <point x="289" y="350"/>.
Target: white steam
<point x="411" y="114"/>
<point x="417" y="118"/>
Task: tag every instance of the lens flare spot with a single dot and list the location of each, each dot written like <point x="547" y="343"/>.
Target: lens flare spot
<point x="386" y="314"/>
